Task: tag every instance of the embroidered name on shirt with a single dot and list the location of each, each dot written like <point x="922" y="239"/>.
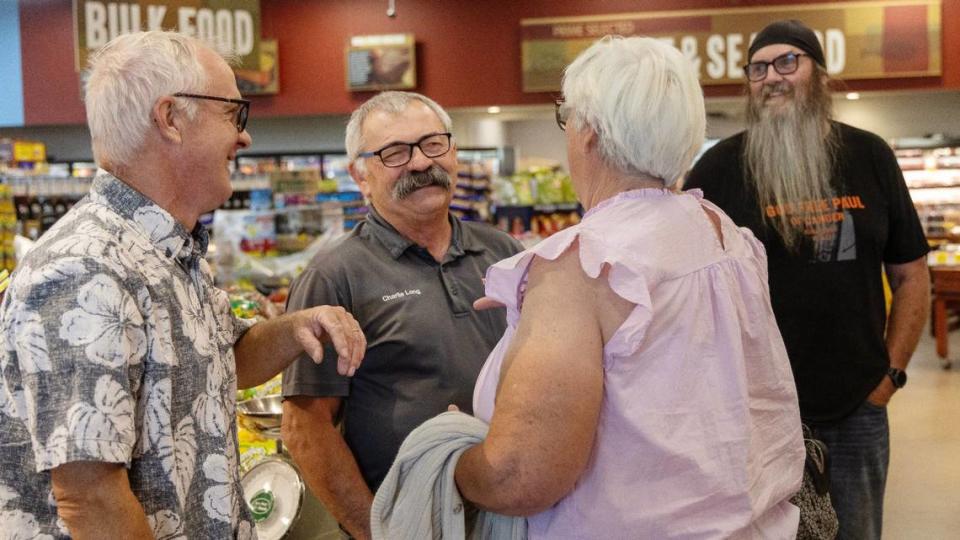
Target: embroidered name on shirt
<point x="400" y="294"/>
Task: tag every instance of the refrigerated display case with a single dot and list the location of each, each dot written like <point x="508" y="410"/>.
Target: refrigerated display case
<point x="931" y="169"/>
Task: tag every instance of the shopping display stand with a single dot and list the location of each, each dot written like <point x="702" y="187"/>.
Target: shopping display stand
<point x="946" y="293"/>
<point x="274" y="490"/>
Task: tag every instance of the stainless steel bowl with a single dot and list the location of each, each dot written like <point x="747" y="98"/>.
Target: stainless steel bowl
<point x="261" y="415"/>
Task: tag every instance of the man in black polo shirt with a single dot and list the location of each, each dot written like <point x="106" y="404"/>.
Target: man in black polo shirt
<point x="829" y="203"/>
<point x="409" y="274"/>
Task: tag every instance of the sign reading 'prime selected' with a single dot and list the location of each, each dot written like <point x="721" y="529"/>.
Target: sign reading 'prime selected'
<point x="232" y="26"/>
<point x="861" y="40"/>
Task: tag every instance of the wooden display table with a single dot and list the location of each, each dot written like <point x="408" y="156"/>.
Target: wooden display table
<point x="946" y="289"/>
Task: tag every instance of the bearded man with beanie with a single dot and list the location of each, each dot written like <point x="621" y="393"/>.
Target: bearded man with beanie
<point x="829" y="203"/>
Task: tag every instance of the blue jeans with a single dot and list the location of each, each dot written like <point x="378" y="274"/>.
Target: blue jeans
<point x="859" y="450"/>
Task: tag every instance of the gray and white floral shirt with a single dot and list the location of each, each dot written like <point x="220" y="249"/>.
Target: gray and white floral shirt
<point x="116" y="347"/>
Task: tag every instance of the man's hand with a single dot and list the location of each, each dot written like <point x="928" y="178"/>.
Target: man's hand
<point x="269" y="346"/>
<point x="332" y="324"/>
<point x="882" y="393"/>
<point x="485" y="302"/>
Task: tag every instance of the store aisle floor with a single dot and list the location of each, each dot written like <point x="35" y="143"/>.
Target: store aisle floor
<point x="923" y="486"/>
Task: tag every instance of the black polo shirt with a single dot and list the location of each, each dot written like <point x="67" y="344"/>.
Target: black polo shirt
<point x="425" y="342"/>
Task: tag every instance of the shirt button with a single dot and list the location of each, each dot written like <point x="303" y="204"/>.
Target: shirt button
<point x="457" y="508"/>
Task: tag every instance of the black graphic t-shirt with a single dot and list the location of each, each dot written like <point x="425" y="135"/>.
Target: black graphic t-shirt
<point x="828" y="296"/>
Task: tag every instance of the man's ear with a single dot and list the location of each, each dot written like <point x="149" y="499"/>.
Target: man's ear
<point x="359" y="179"/>
<point x="821" y="77"/>
<point x="167" y="120"/>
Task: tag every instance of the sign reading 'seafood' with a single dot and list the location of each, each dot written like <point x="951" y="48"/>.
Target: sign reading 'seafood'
<point x="232" y="26"/>
<point x="861" y="40"/>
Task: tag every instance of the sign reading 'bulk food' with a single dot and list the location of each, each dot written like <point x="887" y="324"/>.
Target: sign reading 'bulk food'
<point x="861" y="40"/>
<point x="232" y="26"/>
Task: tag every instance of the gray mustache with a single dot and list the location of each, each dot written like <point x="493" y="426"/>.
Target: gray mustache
<point x="779" y="86"/>
<point x="414" y="180"/>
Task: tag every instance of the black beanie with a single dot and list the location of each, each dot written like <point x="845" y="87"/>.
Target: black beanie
<point x="791" y="32"/>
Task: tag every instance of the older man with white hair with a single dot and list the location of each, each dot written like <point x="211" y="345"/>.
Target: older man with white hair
<point x="120" y="359"/>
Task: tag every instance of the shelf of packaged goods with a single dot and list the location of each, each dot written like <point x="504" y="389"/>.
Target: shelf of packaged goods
<point x="933" y="186"/>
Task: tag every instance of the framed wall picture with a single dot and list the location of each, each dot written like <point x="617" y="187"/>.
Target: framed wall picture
<point x="381" y="62"/>
<point x="263" y="81"/>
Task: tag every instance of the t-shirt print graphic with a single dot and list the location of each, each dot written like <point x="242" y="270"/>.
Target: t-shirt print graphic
<point x="840" y="246"/>
<point x="827" y="224"/>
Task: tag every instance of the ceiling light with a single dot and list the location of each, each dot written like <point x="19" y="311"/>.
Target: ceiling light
<point x="493" y="110"/>
<point x="853" y="96"/>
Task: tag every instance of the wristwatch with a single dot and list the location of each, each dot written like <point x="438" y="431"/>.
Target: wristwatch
<point x="897" y="376"/>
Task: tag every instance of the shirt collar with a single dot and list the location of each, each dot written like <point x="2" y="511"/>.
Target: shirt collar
<point x="167" y="234"/>
<point x="461" y="240"/>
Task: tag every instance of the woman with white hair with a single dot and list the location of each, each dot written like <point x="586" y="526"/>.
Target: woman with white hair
<point x="642" y="389"/>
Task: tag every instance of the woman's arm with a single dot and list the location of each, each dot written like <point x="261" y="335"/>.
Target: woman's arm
<point x="548" y="403"/>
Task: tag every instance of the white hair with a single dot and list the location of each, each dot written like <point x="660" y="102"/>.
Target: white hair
<point x="126" y="78"/>
<point x="642" y="98"/>
<point x="391" y="102"/>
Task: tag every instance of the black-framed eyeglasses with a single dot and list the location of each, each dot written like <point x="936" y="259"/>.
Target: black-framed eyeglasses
<point x="561" y="112"/>
<point x="400" y="153"/>
<point x="784" y="64"/>
<point x="243" y="111"/>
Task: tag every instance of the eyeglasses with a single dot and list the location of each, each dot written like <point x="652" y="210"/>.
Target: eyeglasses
<point x="562" y="113"/>
<point x="240" y="120"/>
<point x="784" y="64"/>
<point x="399" y="154"/>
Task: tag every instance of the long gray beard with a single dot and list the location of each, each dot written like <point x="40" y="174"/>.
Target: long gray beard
<point x="414" y="180"/>
<point x="789" y="156"/>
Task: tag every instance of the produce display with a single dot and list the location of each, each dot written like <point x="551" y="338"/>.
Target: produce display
<point x="535" y="203"/>
<point x="255" y="444"/>
<point x="534" y="186"/>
